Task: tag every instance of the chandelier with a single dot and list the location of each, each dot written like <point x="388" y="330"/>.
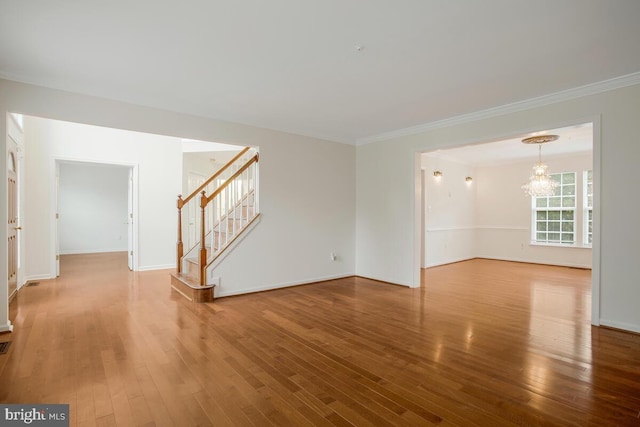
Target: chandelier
<point x="540" y="183"/>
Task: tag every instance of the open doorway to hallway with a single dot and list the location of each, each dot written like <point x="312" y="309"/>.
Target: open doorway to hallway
<point x="158" y="165"/>
<point x="95" y="209"/>
<point x="472" y="204"/>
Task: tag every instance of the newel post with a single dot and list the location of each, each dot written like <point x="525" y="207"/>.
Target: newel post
<point x="203" y="248"/>
<point x="180" y="247"/>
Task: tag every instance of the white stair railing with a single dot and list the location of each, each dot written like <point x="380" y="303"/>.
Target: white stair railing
<point x="234" y="205"/>
<point x="217" y="217"/>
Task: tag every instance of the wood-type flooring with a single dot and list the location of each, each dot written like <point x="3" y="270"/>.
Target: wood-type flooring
<point x="483" y="342"/>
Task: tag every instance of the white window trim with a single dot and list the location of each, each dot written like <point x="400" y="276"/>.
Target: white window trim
<point x="585" y="210"/>
<point x="535" y="209"/>
<point x="580" y="220"/>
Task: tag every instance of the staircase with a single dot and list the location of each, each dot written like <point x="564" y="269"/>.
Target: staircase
<point x="218" y="214"/>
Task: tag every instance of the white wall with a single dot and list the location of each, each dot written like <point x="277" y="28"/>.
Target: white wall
<point x="204" y="163"/>
<point x="386" y="221"/>
<point x="387" y="225"/>
<point x="503" y="228"/>
<point x="450" y="212"/>
<point x="307" y="189"/>
<point x="157" y="160"/>
<point x="491" y="217"/>
<point x="307" y="200"/>
<point x="93" y="207"/>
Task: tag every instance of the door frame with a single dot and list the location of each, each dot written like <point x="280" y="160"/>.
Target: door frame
<point x="130" y="223"/>
<point x="132" y="189"/>
<point x="420" y="197"/>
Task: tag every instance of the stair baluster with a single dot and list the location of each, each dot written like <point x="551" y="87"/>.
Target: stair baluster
<point x="228" y="205"/>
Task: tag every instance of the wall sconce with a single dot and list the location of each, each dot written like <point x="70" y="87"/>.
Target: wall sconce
<point x="468" y="179"/>
<point x="437" y="174"/>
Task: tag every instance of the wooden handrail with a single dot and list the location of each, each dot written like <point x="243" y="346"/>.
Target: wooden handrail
<point x="206" y="200"/>
<point x="182" y="202"/>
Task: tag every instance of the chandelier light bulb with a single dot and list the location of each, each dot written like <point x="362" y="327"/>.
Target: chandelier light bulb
<point x="539" y="169"/>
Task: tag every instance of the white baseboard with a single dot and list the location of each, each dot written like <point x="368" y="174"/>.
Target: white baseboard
<point x="91" y="251"/>
<point x="230" y="292"/>
<point x="38" y="277"/>
<point x="393" y="281"/>
<point x="449" y="261"/>
<point x="528" y="261"/>
<point x="7" y="327"/>
<point x="156" y="267"/>
<point x="620" y="325"/>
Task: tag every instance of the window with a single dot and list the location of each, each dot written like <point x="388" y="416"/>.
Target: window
<point x="587" y="177"/>
<point x="555" y="216"/>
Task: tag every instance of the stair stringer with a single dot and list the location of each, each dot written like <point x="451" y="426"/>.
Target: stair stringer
<point x="216" y="260"/>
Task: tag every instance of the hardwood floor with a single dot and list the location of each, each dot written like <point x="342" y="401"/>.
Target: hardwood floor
<point x="481" y="343"/>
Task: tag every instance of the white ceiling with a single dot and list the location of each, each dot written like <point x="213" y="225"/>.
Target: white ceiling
<point x="572" y="140"/>
<point x="292" y="64"/>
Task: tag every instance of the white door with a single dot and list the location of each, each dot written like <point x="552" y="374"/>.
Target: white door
<point x="12" y="215"/>
<point x="130" y="221"/>
<point x="15" y="248"/>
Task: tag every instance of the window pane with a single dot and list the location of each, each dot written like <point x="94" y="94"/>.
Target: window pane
<point x="569" y="178"/>
<point x="555" y="215"/>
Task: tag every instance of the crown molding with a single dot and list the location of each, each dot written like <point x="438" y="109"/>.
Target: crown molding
<point x="565" y="95"/>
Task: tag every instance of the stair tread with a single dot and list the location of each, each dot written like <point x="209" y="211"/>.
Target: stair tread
<point x="236" y="211"/>
<point x="187" y="279"/>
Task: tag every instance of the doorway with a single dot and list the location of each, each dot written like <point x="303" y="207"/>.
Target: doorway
<point x="471" y="204"/>
<point x="95" y="209"/>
